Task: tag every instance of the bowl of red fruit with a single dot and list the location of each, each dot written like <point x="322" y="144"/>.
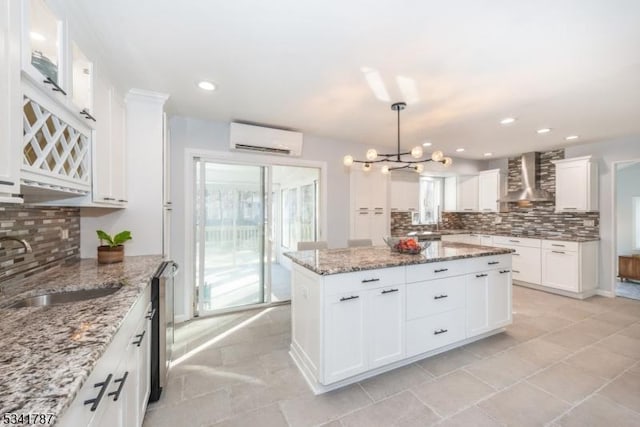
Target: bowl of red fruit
<point x="406" y="245"/>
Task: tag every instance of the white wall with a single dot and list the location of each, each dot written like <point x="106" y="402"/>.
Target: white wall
<point x="191" y="133"/>
<point x="607" y="152"/>
<point x="627" y="187"/>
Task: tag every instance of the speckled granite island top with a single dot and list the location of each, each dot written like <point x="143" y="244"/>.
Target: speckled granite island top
<point x="335" y="261"/>
<point x="47" y="353"/>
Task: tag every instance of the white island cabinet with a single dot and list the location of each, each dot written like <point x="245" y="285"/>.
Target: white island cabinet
<point x="350" y="325"/>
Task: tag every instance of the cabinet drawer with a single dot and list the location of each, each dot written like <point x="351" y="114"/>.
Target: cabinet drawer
<point x="428" y="333"/>
<point x="516" y="241"/>
<point x="490" y="262"/>
<point x="435" y="296"/>
<point x="436" y="270"/>
<point x="362" y="280"/>
<point x="560" y="245"/>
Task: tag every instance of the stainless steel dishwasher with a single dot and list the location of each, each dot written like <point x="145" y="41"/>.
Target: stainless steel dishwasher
<point x="161" y="326"/>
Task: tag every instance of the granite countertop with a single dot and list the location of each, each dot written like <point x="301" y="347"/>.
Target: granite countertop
<point x="48" y="352"/>
<point x="553" y="237"/>
<point x="335" y="261"/>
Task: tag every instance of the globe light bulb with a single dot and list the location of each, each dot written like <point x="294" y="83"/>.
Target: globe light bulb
<point x="347" y="160"/>
<point x="372" y="154"/>
<point x="385" y="170"/>
<point x="416" y="152"/>
<point x="447" y="161"/>
<point x="366" y="167"/>
<point x="419" y="168"/>
<point x="437" y="156"/>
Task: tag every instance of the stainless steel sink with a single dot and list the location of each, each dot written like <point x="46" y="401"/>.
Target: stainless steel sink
<point x="65" y="297"/>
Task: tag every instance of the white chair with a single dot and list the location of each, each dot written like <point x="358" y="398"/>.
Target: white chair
<point x="309" y="246"/>
<point x="356" y="243"/>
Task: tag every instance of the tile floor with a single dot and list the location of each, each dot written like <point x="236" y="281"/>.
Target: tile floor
<point x="563" y="362"/>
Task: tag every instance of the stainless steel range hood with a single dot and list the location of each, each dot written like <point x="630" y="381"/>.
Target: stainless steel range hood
<point x="529" y="191"/>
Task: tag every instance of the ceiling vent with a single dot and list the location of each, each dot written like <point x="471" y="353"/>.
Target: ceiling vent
<point x="259" y="139"/>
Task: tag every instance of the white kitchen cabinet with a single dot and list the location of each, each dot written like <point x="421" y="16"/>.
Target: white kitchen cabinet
<point x="526" y="258"/>
<point x="385" y="325"/>
<point x="570" y="266"/>
<point x="470" y="239"/>
<point x="10" y="102"/>
<point x="576" y="184"/>
<point x="369" y="214"/>
<point x="111" y="396"/>
<point x="81" y="81"/>
<point x="492" y="186"/>
<point x="490" y="292"/>
<point x="461" y="193"/>
<point x="404" y="192"/>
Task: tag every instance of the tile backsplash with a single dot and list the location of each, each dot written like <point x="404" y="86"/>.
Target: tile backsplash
<point x="539" y="219"/>
<point x="42" y="227"/>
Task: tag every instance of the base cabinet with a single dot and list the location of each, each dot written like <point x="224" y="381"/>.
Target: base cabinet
<point x="112" y="395"/>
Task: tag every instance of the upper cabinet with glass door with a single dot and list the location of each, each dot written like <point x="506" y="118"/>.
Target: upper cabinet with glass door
<point x="82" y="82"/>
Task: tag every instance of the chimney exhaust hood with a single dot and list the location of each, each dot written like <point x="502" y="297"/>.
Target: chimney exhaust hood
<point x="529" y="191"/>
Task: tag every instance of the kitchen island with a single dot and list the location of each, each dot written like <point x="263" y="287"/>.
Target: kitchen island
<point x="359" y="312"/>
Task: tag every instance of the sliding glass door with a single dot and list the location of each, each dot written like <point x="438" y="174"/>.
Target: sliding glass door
<point x="231" y="225"/>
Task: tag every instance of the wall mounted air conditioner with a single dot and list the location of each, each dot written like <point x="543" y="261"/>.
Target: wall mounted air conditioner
<point x="260" y="139"/>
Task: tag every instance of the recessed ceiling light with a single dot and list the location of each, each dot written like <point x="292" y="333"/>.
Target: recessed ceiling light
<point x="571" y="137"/>
<point x="205" y="85"/>
<point x="37" y="36"/>
<point x="426" y="144"/>
<point x="488" y="154"/>
<point x="544" y="130"/>
<point x="507" y="120"/>
<point x="459" y="150"/>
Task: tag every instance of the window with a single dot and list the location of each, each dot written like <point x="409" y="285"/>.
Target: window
<point x="636" y="222"/>
<point x="431" y="199"/>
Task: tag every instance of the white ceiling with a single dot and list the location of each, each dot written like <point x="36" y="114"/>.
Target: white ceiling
<point x="571" y="65"/>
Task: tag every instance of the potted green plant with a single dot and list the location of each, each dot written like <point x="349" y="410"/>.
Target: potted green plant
<point x="113" y="250"/>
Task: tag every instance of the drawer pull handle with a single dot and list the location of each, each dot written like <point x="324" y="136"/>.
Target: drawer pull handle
<point x="514" y="241"/>
<point x="96" y="400"/>
<point x="560" y="246"/>
<point x="370" y="280"/>
<point x="116" y="394"/>
<point x="440" y="296"/>
<point x="569" y="209"/>
<point x="151" y="314"/>
<point x="482" y="275"/>
<point x="389" y="291"/>
<point x="141" y="337"/>
<point x="493" y="262"/>
<point x="440" y="331"/>
<point x="441" y="270"/>
<point x="55" y="87"/>
<point x="557" y="252"/>
<point x="349" y="298"/>
<point x="515" y="254"/>
<point x="87" y="115"/>
<point x="504" y="271"/>
<point x="515" y="271"/>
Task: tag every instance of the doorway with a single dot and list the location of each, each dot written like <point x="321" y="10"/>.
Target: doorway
<point x="627" y="201"/>
<point x="246" y="216"/>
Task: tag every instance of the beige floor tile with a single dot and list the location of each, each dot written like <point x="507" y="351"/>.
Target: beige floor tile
<point x="401" y="409"/>
<point x="616" y="318"/>
<point x="450" y="393"/>
<point x="623" y="345"/>
<point x="491" y="345"/>
<point x="523" y="405"/>
<point x="268" y="416"/>
<point x="548" y="323"/>
<point x="572" y="313"/>
<point x="171" y="393"/>
<point x="600" y="361"/>
<point x="334" y="423"/>
<point x="207" y="379"/>
<point x="523" y="331"/>
<point x="201" y="411"/>
<point x="502" y="370"/>
<point x="276" y="360"/>
<point x="448" y="361"/>
<point x="625" y="391"/>
<point x="567" y="382"/>
<point x="472" y="416"/>
<point x="570" y="339"/>
<point x="598" y="411"/>
<point x="314" y="410"/>
<point x="539" y="352"/>
<point x="195" y="360"/>
<point x="387" y="384"/>
<point x="632" y="331"/>
<point x="595" y="327"/>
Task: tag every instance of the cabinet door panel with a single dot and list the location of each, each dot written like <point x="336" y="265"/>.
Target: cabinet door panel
<point x="345" y="350"/>
<point x="102" y="142"/>
<point x="428" y="333"/>
<point x="435" y="296"/>
<point x="499" y="298"/>
<point x="488" y="189"/>
<point x="570" y="196"/>
<point x="386" y="325"/>
<point x="468" y="193"/>
<point x="560" y="270"/>
<point x="118" y="144"/>
<point x="477" y="304"/>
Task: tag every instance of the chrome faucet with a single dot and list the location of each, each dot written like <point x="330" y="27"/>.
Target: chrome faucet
<point x="24" y="243"/>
